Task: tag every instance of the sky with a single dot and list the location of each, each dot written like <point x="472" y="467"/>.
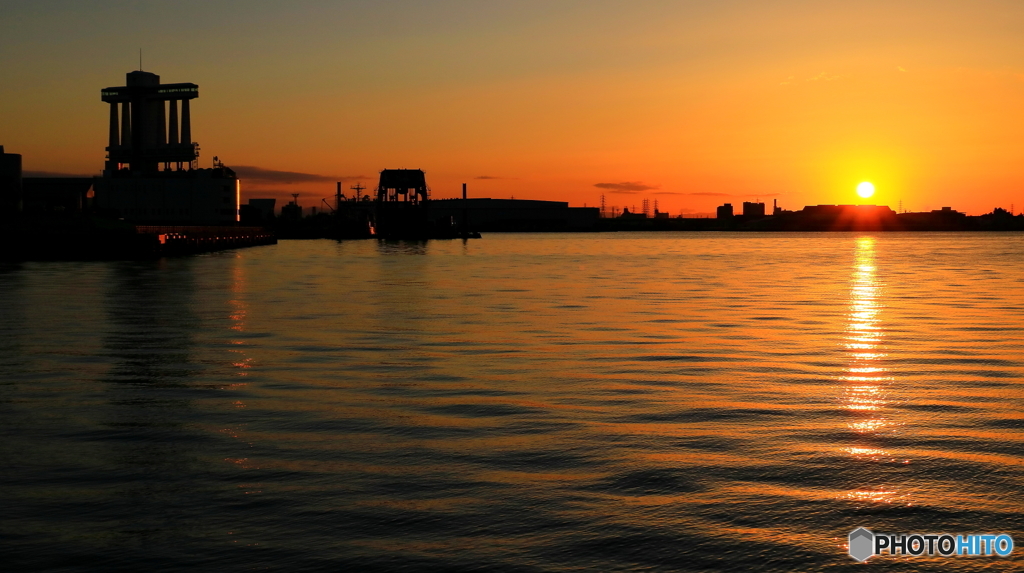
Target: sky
<point x="688" y="103"/>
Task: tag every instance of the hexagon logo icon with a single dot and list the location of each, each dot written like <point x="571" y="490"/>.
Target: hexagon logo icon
<point x="862" y="544"/>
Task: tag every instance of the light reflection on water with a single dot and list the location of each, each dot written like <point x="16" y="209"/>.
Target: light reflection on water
<point x="867" y="381"/>
<point x="522" y="402"/>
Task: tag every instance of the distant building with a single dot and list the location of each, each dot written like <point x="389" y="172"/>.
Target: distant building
<point x="257" y="211"/>
<point x="849" y="210"/>
<point x="627" y="214"/>
<point x="753" y="210"/>
<point x="10" y="183"/>
<point x="724" y="211"/>
<point x="484" y="214"/>
<point x="939" y="220"/>
<point x="152" y="173"/>
<point x="292" y="211"/>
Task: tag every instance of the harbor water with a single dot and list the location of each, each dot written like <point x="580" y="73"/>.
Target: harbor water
<point x="521" y="402"/>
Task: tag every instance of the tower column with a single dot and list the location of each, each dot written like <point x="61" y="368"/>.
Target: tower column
<point x="114" y="141"/>
<point x="126" y="123"/>
<point x="161" y="134"/>
<point x="186" y="123"/>
<point x="173" y="123"/>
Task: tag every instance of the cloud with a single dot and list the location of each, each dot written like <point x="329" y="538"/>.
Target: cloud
<point x="714" y="194"/>
<point x="50" y="174"/>
<point x="491" y="177"/>
<point x="261" y="175"/>
<point x="699" y="194"/>
<point x="626" y="187"/>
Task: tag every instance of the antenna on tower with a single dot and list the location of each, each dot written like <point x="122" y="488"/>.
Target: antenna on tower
<point x="358" y="189"/>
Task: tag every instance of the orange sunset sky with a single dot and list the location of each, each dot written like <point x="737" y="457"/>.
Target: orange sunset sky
<point x="692" y="104"/>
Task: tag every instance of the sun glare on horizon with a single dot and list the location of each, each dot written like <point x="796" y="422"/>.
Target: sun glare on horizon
<point x="865" y="189"/>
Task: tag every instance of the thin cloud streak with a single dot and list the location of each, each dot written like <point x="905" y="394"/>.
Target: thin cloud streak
<point x="258" y="174"/>
<point x="626" y="187"/>
<point x="714" y="194"/>
<point x="51" y="174"/>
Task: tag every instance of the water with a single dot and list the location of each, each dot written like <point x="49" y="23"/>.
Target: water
<point x="614" y="402"/>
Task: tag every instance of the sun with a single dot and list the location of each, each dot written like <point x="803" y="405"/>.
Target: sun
<point x="865" y="189"/>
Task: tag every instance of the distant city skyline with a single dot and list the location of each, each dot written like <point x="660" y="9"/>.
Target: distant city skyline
<point x="693" y="104"/>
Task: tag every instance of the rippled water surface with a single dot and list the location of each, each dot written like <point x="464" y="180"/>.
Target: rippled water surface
<point x="612" y="402"/>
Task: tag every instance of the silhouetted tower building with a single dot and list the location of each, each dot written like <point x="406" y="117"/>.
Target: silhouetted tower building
<point x="152" y="172"/>
<point x="725" y="211"/>
<point x="147" y="130"/>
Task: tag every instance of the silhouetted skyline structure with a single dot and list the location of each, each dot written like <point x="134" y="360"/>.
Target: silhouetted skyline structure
<point x="824" y="218"/>
<point x="508" y="215"/>
<point x="403" y="185"/>
<point x="144" y="124"/>
<point x="152" y="173"/>
<point x="753" y="210"/>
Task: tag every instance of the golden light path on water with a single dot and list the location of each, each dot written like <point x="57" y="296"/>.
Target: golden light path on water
<point x="866" y="382"/>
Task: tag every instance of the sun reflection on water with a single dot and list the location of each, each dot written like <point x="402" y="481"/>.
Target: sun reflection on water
<point x="865" y="380"/>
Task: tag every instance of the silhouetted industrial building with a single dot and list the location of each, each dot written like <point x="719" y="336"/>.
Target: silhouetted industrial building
<point x="257" y="211"/>
<point x="628" y="215"/>
<point x="753" y="210"/>
<point x="724" y="211"/>
<point x="292" y="211"/>
<point x="402" y="186"/>
<point x="486" y="214"/>
<point x="838" y="218"/>
<point x="940" y="219"/>
<point x="10" y="183"/>
<point x="151" y="173"/>
<point x="849" y="210"/>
